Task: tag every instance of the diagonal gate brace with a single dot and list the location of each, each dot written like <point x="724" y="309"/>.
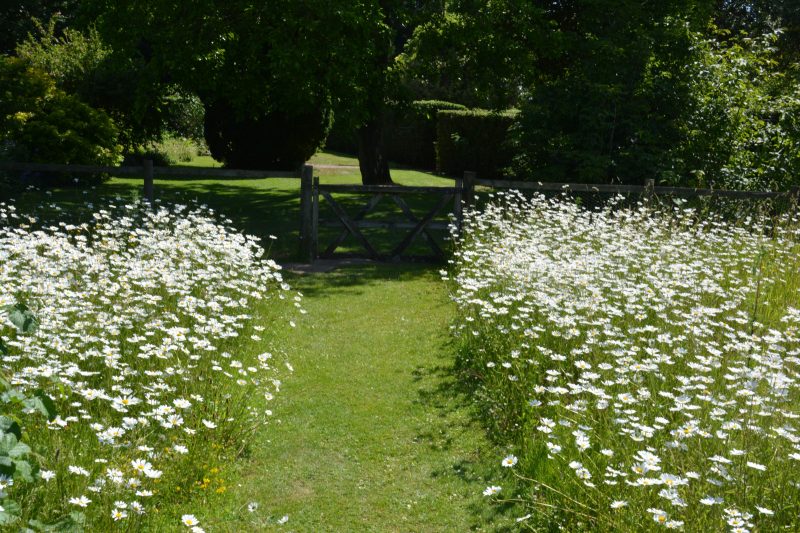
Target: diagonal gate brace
<point x="437" y="251"/>
<point x="409" y="239"/>
<point x="350" y="225"/>
<point x="345" y="232"/>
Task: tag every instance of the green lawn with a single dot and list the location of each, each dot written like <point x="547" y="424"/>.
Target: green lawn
<point x="333" y="158"/>
<point x="371" y="431"/>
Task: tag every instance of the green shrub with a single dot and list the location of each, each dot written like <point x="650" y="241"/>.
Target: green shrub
<point x="184" y="117"/>
<point x="40" y="123"/>
<point x="474" y="140"/>
<point x="82" y="64"/>
<point x="176" y="150"/>
<point x="409" y="134"/>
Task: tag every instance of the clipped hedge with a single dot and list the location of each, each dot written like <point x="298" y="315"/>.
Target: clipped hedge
<point x="475" y="140"/>
<point x="409" y="135"/>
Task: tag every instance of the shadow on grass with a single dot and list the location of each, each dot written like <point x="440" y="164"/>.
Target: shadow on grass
<point x="447" y="394"/>
<point x="355" y="279"/>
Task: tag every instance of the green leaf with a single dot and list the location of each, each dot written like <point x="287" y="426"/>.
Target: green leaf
<point x="3" y="348"/>
<point x="21" y="449"/>
<point x="7" y="466"/>
<point x="22" y="318"/>
<point x="10" y="513"/>
<point x="24" y="470"/>
<point x="9" y="425"/>
<point x="74" y="523"/>
<point x="42" y="403"/>
<point x="7" y="443"/>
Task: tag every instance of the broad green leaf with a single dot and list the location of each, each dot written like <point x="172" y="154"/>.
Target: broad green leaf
<point x="9" y="425"/>
<point x="7" y="466"/>
<point x="24" y="470"/>
<point x="22" y="318"/>
<point x="10" y="513"/>
<point x="7" y="443"/>
<point x="3" y="348"/>
<point x="42" y="403"/>
<point x="74" y="523"/>
<point x="19" y="450"/>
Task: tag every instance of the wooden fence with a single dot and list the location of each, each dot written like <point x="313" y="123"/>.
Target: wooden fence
<point x="648" y="189"/>
<point x="311" y="191"/>
<point x="147" y="172"/>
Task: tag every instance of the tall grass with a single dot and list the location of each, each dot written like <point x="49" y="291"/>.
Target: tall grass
<point x="145" y="342"/>
<point x="641" y="365"/>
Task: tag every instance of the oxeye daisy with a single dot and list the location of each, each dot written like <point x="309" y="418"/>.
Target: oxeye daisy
<point x="189" y="520"/>
<point x="509" y="461"/>
<point x="491" y="490"/>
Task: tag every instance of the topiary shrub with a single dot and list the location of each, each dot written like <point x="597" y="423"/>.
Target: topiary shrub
<point x="42" y="124"/>
<point x="475" y="140"/>
<point x="278" y="140"/>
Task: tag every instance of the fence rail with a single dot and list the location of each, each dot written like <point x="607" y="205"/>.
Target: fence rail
<point x="470" y="180"/>
<point x="147" y="172"/>
<point x="311" y="192"/>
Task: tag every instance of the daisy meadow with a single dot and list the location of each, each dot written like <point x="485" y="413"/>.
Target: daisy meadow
<point x="142" y="352"/>
<point x="654" y="354"/>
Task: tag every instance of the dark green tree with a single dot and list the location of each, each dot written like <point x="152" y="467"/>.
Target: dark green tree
<point x="18" y="18"/>
<point x="481" y="54"/>
<point x="610" y="91"/>
<point x="269" y="74"/>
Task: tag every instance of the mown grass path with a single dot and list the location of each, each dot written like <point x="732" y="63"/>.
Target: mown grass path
<point x="370" y="431"/>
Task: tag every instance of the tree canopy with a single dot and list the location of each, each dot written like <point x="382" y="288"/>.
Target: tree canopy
<point x="608" y="90"/>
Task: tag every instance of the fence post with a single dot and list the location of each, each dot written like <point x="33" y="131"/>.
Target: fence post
<point x="469" y="186"/>
<point x="314" y="218"/>
<point x="307" y="213"/>
<point x="147" y="167"/>
<point x="649" y="184"/>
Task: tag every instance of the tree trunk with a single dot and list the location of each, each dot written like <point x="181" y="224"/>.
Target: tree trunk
<point x="371" y="155"/>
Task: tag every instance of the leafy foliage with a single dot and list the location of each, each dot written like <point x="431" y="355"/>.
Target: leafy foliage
<point x="18" y="462"/>
<point x="19" y="18"/>
<point x="610" y="93"/>
<point x="84" y="65"/>
<point x="742" y="128"/>
<point x="41" y="123"/>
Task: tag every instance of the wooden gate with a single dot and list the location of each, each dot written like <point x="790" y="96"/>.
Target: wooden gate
<point x="414" y="225"/>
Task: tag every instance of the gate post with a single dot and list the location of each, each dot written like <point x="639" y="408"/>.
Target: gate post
<point x="649" y="184"/>
<point x="307" y="213"/>
<point x="469" y="186"/>
<point x="314" y="219"/>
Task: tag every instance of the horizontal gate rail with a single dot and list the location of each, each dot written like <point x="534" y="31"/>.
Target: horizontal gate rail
<point x="414" y="225"/>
